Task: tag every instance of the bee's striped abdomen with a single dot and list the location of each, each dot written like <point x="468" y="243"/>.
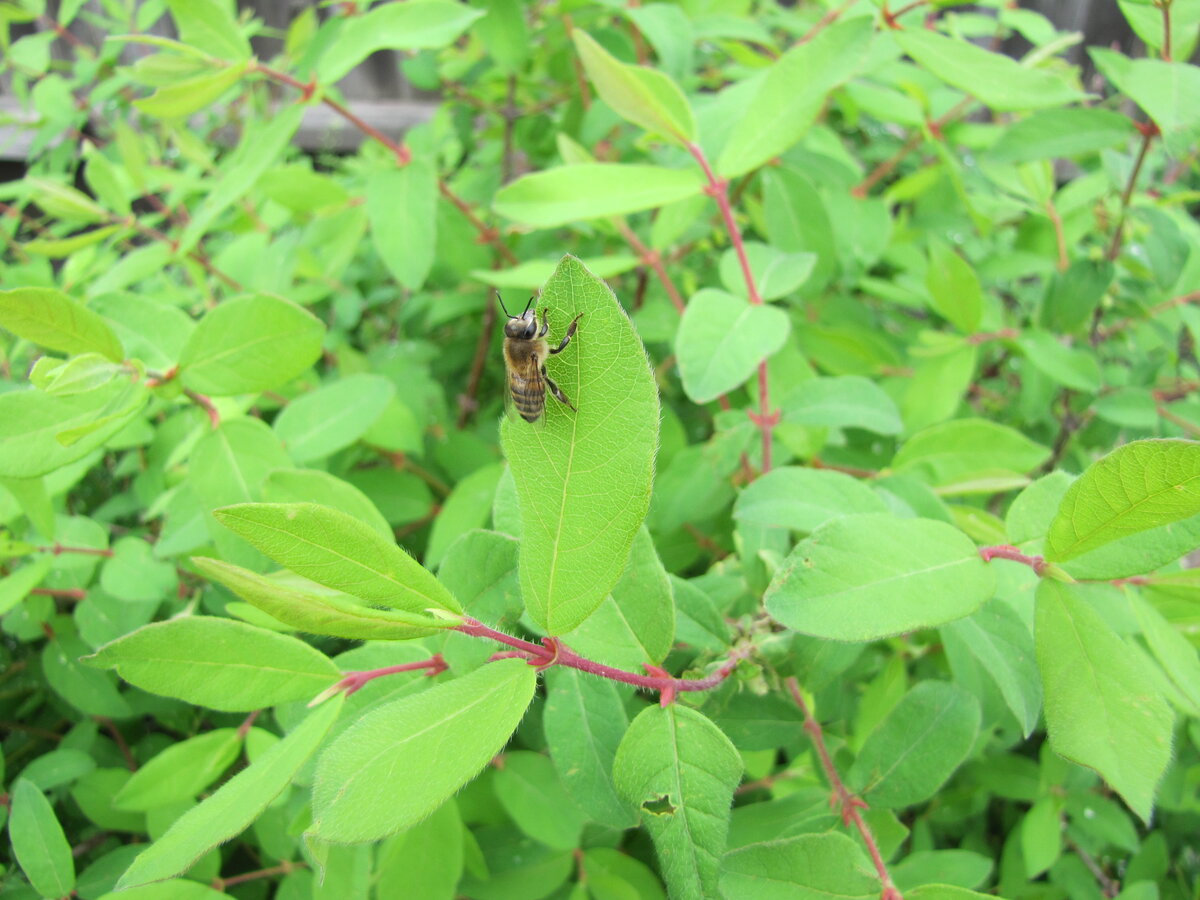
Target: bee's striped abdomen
<point x="529" y="395"/>
<point x="525" y="382"/>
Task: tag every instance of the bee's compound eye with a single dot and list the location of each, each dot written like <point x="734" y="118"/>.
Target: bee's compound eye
<point x="531" y="329"/>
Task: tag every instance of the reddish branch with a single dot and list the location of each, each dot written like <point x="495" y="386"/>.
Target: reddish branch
<point x="886" y="167"/>
<point x="285" y="867"/>
<point x="1149" y="132"/>
<point x="1007" y="551"/>
<point x="58" y="549"/>
<point x="843" y="800"/>
<point x="825" y="21"/>
<point x="718" y="188"/>
<point x="553" y="652"/>
<point x="653" y="259"/>
<point x="353" y="681"/>
<point x="1193" y="297"/>
<point x="403" y="155"/>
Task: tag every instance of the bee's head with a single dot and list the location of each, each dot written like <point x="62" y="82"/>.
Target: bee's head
<point x="522" y="327"/>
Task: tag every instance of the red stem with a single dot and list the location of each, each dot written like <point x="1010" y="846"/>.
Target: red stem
<point x="842" y="798"/>
<point x="59" y="549"/>
<point x="553" y="652"/>
<point x="1007" y="551"/>
<point x="205" y="404"/>
<point x="718" y="188"/>
<point x="353" y="681"/>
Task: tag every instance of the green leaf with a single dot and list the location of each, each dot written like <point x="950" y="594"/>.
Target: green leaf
<point x="680" y="771"/>
<point x="390" y="769"/>
<point x="263" y="142"/>
<point x="250" y="344"/>
<point x="529" y="789"/>
<point x="1060" y="134"/>
<point x="1072" y="367"/>
<point x="1072" y="296"/>
<point x="236" y="804"/>
<point x="721" y="341"/>
<point x="40" y="433"/>
<point x="849" y="401"/>
<point x="1173" y="651"/>
<point x="218" y="663"/>
<point x="133" y="574"/>
<point x="636" y="622"/>
<point x="585" y="719"/>
<point x="792" y="93"/>
<point x="151" y="330"/>
<point x="800" y="867"/>
<point x="468" y="507"/>
<point x="1041" y="836"/>
<point x="998" y="638"/>
<point x="315" y="486"/>
<point x="334" y="416"/>
<point x="968" y="455"/>
<point x="402" y="211"/>
<point x="917" y="747"/>
<point x="425" y="861"/>
<point x="64" y="247"/>
<point x="181" y="771"/>
<point x="1168" y="92"/>
<point x="638" y="94"/>
<point x="583" y="478"/>
<point x="208" y="25"/>
<point x="480" y="570"/>
<point x="334" y="615"/>
<point x="416" y="25"/>
<point x="53" y="320"/>
<point x="864" y="577"/>
<point x="15" y="586"/>
<point x="954" y="287"/>
<point x="993" y="78"/>
<point x="333" y="549"/>
<point x="776" y="274"/>
<point x="1143" y="485"/>
<point x="1103" y="709"/>
<point x="38" y="842"/>
<point x="592" y="191"/>
<point x="533" y="273"/>
<point x="65" y="202"/>
<point x="804" y="499"/>
<point x="175" y="101"/>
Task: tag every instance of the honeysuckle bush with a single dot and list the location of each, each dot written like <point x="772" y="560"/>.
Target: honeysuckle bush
<point x="856" y="570"/>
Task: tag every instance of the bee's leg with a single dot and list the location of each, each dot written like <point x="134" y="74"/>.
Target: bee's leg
<point x="557" y="391"/>
<point x="567" y="337"/>
<point x="545" y="327"/>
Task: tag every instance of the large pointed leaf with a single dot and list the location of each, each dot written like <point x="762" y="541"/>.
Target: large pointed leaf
<point x="333" y="549"/>
<point x="680" y="771"/>
<point x="218" y="663"/>
<point x="863" y="577"/>
<point x="250" y="344"/>
<point x="399" y="762"/>
<point x="643" y="96"/>
<point x="792" y="93"/>
<point x="333" y="615"/>
<point x="1140" y="486"/>
<point x="593" y="191"/>
<point x="995" y="79"/>
<point x="583" y="477"/>
<point x="1103" y="709"/>
<point x="52" y="319"/>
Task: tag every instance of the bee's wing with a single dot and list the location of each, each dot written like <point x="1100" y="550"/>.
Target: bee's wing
<point x="526" y="387"/>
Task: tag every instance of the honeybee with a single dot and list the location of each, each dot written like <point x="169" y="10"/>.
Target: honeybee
<point x="525" y="354"/>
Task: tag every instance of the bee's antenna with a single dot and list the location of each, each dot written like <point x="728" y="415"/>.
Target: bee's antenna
<point x="503" y="307"/>
<point x="527" y="305"/>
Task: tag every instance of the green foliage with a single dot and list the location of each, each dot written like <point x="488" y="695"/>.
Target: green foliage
<point x="877" y="473"/>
